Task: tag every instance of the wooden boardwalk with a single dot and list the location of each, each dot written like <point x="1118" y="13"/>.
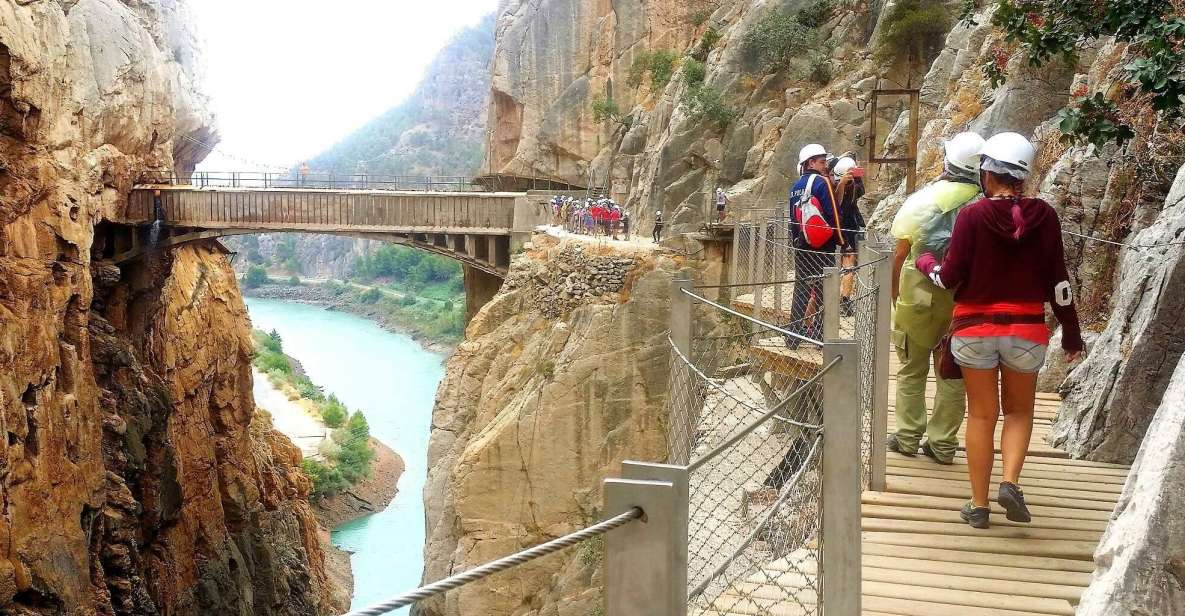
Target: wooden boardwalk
<point x="921" y="559"/>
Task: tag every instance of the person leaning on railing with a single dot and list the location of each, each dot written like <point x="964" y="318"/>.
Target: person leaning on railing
<point x="1005" y="260"/>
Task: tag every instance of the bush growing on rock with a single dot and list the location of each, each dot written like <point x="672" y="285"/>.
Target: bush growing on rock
<point x="776" y="41"/>
<point x="694" y="72"/>
<point x="660" y="63"/>
<point x="605" y="109"/>
<point x="334" y="413"/>
<point x="370" y="296"/>
<point x="704" y="103"/>
<point x="327" y="480"/>
<point x="913" y="30"/>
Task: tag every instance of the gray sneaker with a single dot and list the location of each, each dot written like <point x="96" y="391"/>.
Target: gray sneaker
<point x="892" y="444"/>
<point x="1012" y="499"/>
<point x="977" y="517"/>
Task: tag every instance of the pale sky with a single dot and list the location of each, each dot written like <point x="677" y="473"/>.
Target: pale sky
<point x="289" y="78"/>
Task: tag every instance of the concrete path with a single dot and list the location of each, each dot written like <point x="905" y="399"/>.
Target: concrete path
<point x="291" y="417"/>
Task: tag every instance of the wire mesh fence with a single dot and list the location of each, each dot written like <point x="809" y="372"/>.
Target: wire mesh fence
<point x="747" y="405"/>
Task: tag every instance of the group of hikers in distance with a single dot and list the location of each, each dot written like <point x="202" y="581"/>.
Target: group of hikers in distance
<point x="971" y="277"/>
<point x="598" y="217"/>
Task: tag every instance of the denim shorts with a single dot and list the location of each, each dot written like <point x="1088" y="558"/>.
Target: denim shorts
<point x="988" y="352"/>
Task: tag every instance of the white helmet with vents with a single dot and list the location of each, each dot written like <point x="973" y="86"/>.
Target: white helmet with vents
<point x="810" y="151"/>
<point x="963" y="152"/>
<point x="1012" y="149"/>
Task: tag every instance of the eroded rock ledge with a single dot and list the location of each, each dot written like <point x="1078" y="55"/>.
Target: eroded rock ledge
<point x="561" y="377"/>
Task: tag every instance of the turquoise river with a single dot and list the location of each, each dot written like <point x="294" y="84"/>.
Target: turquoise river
<point x="392" y="380"/>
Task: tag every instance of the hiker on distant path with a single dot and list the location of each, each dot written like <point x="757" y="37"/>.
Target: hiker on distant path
<point x="922" y="310"/>
<point x="849" y="187"/>
<point x="658" y="223"/>
<point x="721" y="204"/>
<point x="1005" y="261"/>
<point x="815" y="236"/>
<point x="625" y="224"/>
<point x="614" y="220"/>
<point x="304" y="173"/>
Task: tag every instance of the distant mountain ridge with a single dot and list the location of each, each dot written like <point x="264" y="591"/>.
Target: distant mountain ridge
<point x="440" y="129"/>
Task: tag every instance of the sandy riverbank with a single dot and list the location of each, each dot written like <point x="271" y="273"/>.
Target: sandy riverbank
<point x="296" y="418"/>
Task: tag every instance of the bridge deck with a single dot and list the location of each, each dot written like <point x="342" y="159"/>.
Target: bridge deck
<point x="921" y="559"/>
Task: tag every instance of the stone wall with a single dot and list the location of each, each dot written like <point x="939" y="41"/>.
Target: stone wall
<point x="133" y="477"/>
<point x="560" y="378"/>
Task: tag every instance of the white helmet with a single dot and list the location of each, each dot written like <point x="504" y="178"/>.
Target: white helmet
<point x="962" y="152"/>
<point x="1012" y="149"/>
<point x="809" y="152"/>
<point x="843" y="165"/>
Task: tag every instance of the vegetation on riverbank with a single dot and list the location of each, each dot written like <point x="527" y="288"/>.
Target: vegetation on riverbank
<point x="348" y="453"/>
<point x="410" y="289"/>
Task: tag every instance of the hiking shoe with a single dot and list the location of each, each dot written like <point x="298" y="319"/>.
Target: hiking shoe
<point x="1012" y="499"/>
<point x="930" y="453"/>
<point x="892" y="444"/>
<point x="977" y="517"/>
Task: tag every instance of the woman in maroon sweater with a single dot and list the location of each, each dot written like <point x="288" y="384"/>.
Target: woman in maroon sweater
<point x="1005" y="262"/>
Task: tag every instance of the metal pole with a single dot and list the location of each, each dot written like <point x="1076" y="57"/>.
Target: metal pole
<point x="830" y="305"/>
<point x="641" y="559"/>
<point x="841" y="480"/>
<point x="677" y="476"/>
<point x="911" y="177"/>
<point x="682" y="392"/>
<point x="761" y="232"/>
<point x="883" y="278"/>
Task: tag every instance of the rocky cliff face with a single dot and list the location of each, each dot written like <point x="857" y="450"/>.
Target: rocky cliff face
<point x="561" y="377"/>
<point x="134" y="478"/>
<point x="555" y="58"/>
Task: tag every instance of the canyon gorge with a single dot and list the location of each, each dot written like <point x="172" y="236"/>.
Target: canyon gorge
<point x="137" y="478"/>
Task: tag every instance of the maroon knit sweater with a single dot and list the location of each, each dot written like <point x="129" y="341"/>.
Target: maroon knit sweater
<point x="1003" y="250"/>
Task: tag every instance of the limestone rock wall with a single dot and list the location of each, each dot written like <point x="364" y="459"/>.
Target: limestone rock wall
<point x="133" y="477"/>
<point x="561" y="377"/>
<point x="1140" y="558"/>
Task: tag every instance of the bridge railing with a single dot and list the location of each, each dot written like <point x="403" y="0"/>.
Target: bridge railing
<point x="314" y="180"/>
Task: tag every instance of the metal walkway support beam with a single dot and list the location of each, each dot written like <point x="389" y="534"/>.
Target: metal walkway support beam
<point x="883" y="279"/>
<point x="841" y="479"/>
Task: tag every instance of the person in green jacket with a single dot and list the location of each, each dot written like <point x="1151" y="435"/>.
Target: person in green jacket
<point x="922" y="310"/>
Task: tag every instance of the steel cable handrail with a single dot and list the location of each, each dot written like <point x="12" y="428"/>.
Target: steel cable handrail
<point x="743" y="432"/>
<point x="757" y="530"/>
<point x="501" y="564"/>
<point x="712" y="383"/>
<point x="752" y="320"/>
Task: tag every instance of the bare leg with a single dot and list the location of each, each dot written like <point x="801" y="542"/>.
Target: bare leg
<point x="983" y="408"/>
<point x="1019" y="392"/>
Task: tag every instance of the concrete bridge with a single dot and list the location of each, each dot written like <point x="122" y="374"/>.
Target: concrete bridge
<point x="478" y="229"/>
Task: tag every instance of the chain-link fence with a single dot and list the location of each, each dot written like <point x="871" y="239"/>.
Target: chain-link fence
<point x="749" y="376"/>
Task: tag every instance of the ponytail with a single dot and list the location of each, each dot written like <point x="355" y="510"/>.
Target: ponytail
<point x="1018" y="219"/>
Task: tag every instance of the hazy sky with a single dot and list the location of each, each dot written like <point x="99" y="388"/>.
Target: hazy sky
<point x="289" y="78"/>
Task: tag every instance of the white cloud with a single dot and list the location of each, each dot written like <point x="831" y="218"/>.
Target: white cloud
<point x="289" y="78"/>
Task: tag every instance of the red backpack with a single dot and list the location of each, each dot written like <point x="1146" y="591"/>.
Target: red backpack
<point x="808" y="214"/>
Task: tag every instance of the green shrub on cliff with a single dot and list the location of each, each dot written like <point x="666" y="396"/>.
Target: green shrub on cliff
<point x="776" y="40"/>
<point x="356" y="454"/>
<point x="327" y="480"/>
<point x="913" y="30"/>
<point x="334" y="413"/>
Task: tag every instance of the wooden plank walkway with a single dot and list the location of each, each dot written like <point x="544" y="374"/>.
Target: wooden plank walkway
<point x="921" y="559"/>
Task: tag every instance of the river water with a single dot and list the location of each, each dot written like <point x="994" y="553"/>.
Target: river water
<point x="392" y="380"/>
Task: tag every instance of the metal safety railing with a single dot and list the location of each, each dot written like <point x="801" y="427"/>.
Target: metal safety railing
<point x="316" y="180"/>
<point x="502" y="564"/>
<point x="776" y="422"/>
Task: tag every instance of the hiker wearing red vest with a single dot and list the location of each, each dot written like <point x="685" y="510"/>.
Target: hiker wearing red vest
<point x="815" y="236"/>
<point x="614" y="220"/>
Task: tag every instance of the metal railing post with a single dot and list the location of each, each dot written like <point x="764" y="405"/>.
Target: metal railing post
<point x="883" y="279"/>
<point x="678" y="477"/>
<point x="830" y="304"/>
<point x="841" y="480"/>
<point x="641" y="558"/>
<point x="682" y="390"/>
<point x="761" y="233"/>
